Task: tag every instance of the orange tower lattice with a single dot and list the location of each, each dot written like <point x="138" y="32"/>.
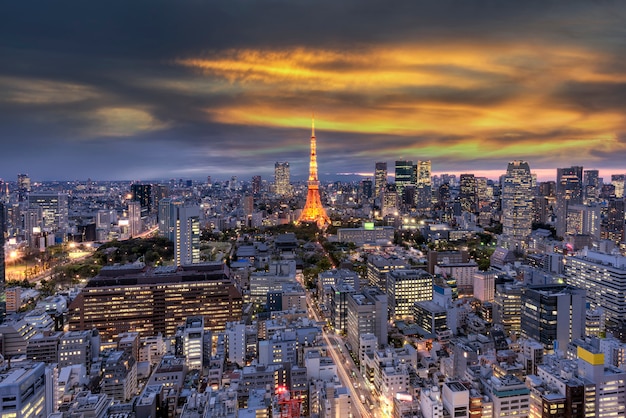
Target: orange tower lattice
<point x="313" y="210"/>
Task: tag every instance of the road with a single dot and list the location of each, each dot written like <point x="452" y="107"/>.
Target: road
<point x="343" y="368"/>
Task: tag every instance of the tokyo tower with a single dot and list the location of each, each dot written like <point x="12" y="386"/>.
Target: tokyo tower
<point x="313" y="210"/>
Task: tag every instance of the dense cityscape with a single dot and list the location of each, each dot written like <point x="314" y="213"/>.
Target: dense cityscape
<point x="316" y="209"/>
<point x="406" y="294"/>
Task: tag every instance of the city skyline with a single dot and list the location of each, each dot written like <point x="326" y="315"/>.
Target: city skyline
<point x="116" y="91"/>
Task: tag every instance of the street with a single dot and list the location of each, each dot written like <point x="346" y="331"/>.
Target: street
<point x="344" y="367"/>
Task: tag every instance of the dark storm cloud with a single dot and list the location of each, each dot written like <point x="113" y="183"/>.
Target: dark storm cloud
<point x="593" y="96"/>
<point x="85" y="79"/>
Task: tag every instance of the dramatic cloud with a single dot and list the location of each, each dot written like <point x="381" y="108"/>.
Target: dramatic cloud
<point x="227" y="88"/>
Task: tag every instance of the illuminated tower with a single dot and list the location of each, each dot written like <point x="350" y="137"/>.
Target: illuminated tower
<point x="313" y="210"/>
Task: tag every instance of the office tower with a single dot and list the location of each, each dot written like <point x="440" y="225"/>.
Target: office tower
<point x="553" y="315"/>
<point x="613" y="226"/>
<point x="423" y="198"/>
<point x="467" y="193"/>
<point x="430" y="316"/>
<point x="618" y="180"/>
<point x="584" y="220"/>
<point x="282" y="179"/>
<point x="378" y="267"/>
<point x="248" y="205"/>
<point x="517" y="205"/>
<point x="156" y="300"/>
<point x="54" y="211"/>
<point x="367" y="314"/>
<point x="405" y="175"/>
<point x="389" y="201"/>
<point x="507" y="307"/>
<point x="443" y="194"/>
<point x="568" y="191"/>
<point x="404" y="288"/>
<point x="256" y="184"/>
<point x="167" y="218"/>
<point x="134" y="218"/>
<point x="187" y="235"/>
<point x="23" y="186"/>
<point x="159" y="192"/>
<point x="607" y="191"/>
<point x="484" y="192"/>
<point x="380" y="178"/>
<point x="591" y="185"/>
<point x="142" y="193"/>
<point x="2" y="264"/>
<point x="603" y="276"/>
<point x="366" y="189"/>
<point x="313" y="210"/>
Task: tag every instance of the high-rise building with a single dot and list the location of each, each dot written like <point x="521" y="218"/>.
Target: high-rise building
<point x="507" y="307"/>
<point x="134" y="218"/>
<point x="155" y="301"/>
<point x="282" y="179"/>
<point x="256" y="184"/>
<point x="180" y="224"/>
<point x="389" y="200"/>
<point x="142" y="193"/>
<point x="159" y="192"/>
<point x="187" y="235"/>
<point x="404" y="288"/>
<point x="553" y="315"/>
<point x="367" y="189"/>
<point x="603" y="276"/>
<point x="23" y="186"/>
<point x="313" y="210"/>
<point x="618" y="181"/>
<point x="167" y="216"/>
<point x="423" y="198"/>
<point x="613" y="225"/>
<point x="467" y="193"/>
<point x="405" y="175"/>
<point x="54" y="210"/>
<point x="591" y="185"/>
<point x="584" y="220"/>
<point x="380" y="178"/>
<point x="517" y="205"/>
<point x="484" y="286"/>
<point x="568" y="191"/>
<point x="367" y="314"/>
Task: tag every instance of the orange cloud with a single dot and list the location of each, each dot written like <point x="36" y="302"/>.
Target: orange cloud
<point x="498" y="100"/>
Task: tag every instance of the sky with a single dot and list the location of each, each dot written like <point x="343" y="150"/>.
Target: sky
<point x="187" y="89"/>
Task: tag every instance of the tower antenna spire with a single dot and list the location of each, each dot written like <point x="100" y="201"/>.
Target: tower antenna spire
<point x="312" y="123"/>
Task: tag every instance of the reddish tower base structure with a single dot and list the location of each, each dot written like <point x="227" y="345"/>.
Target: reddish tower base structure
<point x="313" y="210"/>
